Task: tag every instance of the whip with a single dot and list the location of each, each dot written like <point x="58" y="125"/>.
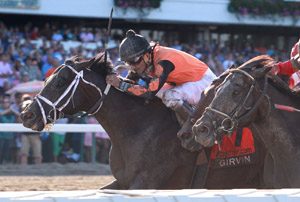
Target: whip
<point x="286" y="108"/>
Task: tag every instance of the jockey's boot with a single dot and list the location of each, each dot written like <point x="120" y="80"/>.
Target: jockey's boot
<point x="183" y="112"/>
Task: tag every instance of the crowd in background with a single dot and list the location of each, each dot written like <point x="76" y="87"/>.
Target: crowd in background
<point x="28" y="53"/>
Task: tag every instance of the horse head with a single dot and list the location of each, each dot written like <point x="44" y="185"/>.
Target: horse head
<point x="63" y="90"/>
<point x="185" y="134"/>
<point x="238" y="101"/>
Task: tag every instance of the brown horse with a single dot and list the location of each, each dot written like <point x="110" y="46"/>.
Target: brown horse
<point x="247" y="98"/>
<point x="145" y="153"/>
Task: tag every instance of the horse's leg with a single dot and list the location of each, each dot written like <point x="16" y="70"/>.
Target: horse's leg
<point x="164" y="176"/>
<point x="113" y="185"/>
<point x="148" y="179"/>
<point x="141" y="182"/>
<point x="117" y="168"/>
<point x="269" y="171"/>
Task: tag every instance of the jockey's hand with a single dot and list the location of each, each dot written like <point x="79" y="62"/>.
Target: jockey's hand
<point x="113" y="80"/>
<point x="296" y="61"/>
<point x="274" y="70"/>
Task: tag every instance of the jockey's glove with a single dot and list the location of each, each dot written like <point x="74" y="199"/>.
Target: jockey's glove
<point x="296" y="61"/>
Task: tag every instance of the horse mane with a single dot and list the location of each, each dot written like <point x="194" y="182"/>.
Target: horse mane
<point x="96" y="63"/>
<point x="221" y="77"/>
<point x="258" y="62"/>
<point x="274" y="80"/>
<point x="101" y="66"/>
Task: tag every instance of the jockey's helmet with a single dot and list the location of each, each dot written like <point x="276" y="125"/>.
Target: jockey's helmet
<point x="133" y="46"/>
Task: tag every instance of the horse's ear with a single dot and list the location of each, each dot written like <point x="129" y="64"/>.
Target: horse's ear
<point x="71" y="61"/>
<point x="85" y="64"/>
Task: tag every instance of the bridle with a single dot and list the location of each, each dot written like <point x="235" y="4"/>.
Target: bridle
<point x="58" y="105"/>
<point x="235" y="116"/>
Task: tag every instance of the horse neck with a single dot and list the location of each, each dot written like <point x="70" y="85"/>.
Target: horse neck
<point x="279" y="133"/>
<point x="276" y="137"/>
<point x="123" y="115"/>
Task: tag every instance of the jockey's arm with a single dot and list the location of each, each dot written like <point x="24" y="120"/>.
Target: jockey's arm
<point x="149" y="89"/>
<point x="285" y="68"/>
<point x="292" y="65"/>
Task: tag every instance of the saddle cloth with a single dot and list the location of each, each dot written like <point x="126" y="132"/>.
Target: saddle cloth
<point x="229" y="155"/>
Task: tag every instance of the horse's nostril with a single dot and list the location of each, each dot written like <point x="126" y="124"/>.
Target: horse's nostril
<point x="27" y="115"/>
<point x="183" y="135"/>
<point x="203" y="129"/>
<point x="180" y="134"/>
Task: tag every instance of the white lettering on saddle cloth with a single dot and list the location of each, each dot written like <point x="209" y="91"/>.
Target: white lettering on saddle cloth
<point x="235" y="161"/>
<point x="228" y="155"/>
<point x="232" y="161"/>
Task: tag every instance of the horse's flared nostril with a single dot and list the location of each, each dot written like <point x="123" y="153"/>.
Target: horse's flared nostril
<point x="201" y="129"/>
<point x="203" y="135"/>
<point x="27" y="115"/>
<point x="183" y="135"/>
<point x="179" y="134"/>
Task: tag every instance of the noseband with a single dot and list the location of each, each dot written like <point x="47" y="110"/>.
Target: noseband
<point x="234" y="117"/>
<point x="58" y="106"/>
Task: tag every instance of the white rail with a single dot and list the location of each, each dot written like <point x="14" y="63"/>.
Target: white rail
<point x="188" y="195"/>
<point x="79" y="128"/>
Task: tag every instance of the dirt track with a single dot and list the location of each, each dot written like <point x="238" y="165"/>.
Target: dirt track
<point x="54" y="177"/>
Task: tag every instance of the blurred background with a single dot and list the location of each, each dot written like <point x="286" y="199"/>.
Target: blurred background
<point x="36" y="36"/>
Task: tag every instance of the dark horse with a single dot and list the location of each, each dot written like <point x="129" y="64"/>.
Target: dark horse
<point x="187" y="137"/>
<point x="247" y="97"/>
<point x="145" y="153"/>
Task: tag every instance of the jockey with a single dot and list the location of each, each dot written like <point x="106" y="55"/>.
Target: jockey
<point x="290" y="67"/>
<point x="172" y="75"/>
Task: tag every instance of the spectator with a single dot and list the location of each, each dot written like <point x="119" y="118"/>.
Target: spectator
<point x="34" y="35"/>
<point x="6" y="71"/>
<point x="58" y="139"/>
<point x="46" y="66"/>
<point x="103" y="147"/>
<point x="16" y="78"/>
<point x="6" y="138"/>
<point x="102" y="143"/>
<point x="86" y="35"/>
<point x="16" y="105"/>
<point x="31" y="70"/>
<point x="16" y="109"/>
<point x="55" y="64"/>
<point x="74" y="142"/>
<point x="57" y="36"/>
<point x="30" y="141"/>
<point x="228" y="62"/>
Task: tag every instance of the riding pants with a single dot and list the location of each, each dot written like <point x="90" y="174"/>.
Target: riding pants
<point x="190" y="92"/>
